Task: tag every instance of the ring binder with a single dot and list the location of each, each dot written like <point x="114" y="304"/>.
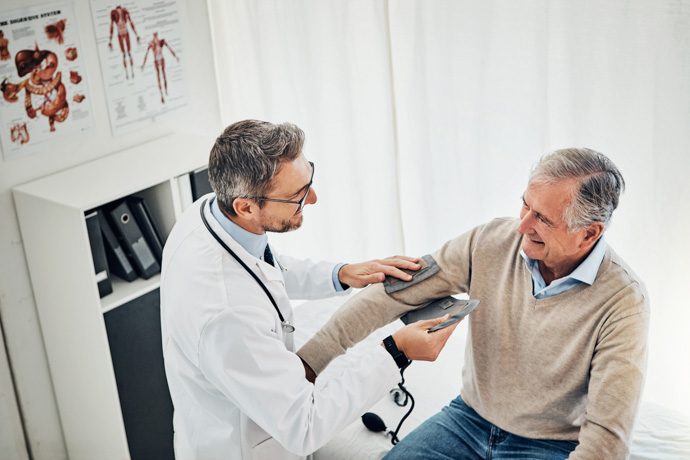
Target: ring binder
<point x="117" y="259"/>
<point x="100" y="262"/>
<point x="143" y="216"/>
<point x="132" y="240"/>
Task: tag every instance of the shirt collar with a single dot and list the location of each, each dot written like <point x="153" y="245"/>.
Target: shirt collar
<point x="586" y="272"/>
<point x="588" y="269"/>
<point x="254" y="244"/>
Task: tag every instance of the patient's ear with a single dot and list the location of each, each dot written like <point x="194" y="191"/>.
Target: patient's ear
<point x="592" y="233"/>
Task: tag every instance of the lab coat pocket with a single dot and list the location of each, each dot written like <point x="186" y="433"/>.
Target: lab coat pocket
<point x="269" y="449"/>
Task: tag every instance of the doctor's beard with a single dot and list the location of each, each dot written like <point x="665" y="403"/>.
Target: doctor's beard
<point x="283" y="226"/>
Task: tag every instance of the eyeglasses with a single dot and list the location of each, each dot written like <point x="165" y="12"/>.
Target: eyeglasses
<point x="300" y="202"/>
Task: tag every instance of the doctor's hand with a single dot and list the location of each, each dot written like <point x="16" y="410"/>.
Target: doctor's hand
<point x="375" y="271"/>
<point x="418" y="343"/>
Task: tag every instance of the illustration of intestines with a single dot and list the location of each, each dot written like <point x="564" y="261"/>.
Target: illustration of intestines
<point x="19" y="133"/>
<point x="44" y="83"/>
<point x="56" y="31"/>
<point x="120" y="16"/>
<point x="71" y="54"/>
<point x="156" y="45"/>
<point x="74" y="77"/>
<point x="4" y="47"/>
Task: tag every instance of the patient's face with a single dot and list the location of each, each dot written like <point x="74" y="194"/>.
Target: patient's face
<point x="547" y="238"/>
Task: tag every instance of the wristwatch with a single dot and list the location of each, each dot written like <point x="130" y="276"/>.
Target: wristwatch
<point x="398" y="356"/>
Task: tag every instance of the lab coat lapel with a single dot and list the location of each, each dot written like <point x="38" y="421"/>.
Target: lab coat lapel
<point x="270" y="275"/>
<point x="271" y="272"/>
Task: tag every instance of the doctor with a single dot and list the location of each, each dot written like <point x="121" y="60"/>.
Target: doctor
<point x="238" y="388"/>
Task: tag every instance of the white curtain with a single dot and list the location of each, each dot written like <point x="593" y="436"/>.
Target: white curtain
<point x="424" y="118"/>
<point x="324" y="66"/>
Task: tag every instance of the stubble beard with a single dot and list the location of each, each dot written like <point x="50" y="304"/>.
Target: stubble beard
<point x="285" y="225"/>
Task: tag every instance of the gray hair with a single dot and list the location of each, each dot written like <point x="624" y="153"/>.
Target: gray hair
<point x="600" y="184"/>
<point x="247" y="156"/>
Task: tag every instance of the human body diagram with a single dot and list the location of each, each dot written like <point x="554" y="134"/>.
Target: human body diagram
<point x="4" y="47"/>
<point x="156" y="46"/>
<point x="43" y="86"/>
<point x="134" y="102"/>
<point x="120" y="16"/>
<point x="19" y="133"/>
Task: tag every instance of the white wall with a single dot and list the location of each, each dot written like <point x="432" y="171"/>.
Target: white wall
<point x="17" y="309"/>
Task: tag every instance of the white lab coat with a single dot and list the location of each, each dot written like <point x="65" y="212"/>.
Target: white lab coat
<point x="237" y="386"/>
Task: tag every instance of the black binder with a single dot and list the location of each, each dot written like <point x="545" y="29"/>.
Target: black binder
<point x="100" y="263"/>
<point x="200" y="183"/>
<point x="132" y="240"/>
<point x="148" y="228"/>
<point x="117" y="259"/>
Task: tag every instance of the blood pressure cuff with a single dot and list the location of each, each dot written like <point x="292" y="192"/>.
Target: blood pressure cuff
<point x="428" y="268"/>
<point x="356" y="319"/>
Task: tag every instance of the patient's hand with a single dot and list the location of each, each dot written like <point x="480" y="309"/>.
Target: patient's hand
<point x="375" y="271"/>
<point x="418" y="343"/>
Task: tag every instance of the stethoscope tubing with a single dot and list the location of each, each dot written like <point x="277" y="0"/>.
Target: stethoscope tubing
<point x="285" y="324"/>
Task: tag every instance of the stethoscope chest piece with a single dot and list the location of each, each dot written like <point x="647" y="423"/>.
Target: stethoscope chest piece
<point x="287" y="327"/>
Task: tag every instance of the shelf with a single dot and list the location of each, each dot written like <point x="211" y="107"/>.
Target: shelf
<point x="124" y="291"/>
<point x="120" y="174"/>
<point x="71" y="313"/>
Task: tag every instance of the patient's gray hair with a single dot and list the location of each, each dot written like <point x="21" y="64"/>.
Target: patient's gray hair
<point x="247" y="156"/>
<point x="599" y="188"/>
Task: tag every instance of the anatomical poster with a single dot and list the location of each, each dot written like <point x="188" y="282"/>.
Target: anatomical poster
<point x="43" y="79"/>
<point x="142" y="60"/>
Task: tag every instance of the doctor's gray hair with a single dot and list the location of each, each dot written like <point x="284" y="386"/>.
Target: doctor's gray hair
<point x="247" y="156"/>
<point x="599" y="186"/>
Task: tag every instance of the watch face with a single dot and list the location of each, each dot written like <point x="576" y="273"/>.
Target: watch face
<point x="391" y="347"/>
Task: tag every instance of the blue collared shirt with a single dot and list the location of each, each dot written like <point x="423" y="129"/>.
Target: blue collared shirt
<point x="586" y="272"/>
<point x="255" y="244"/>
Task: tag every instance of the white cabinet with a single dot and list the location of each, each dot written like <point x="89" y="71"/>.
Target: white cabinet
<point x="51" y="216"/>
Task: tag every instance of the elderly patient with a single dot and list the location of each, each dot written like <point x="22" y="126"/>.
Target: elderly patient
<point x="556" y="351"/>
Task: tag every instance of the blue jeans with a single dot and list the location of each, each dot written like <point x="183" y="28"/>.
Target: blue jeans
<point x="459" y="433"/>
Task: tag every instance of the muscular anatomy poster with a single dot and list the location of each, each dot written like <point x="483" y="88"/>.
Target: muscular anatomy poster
<point x="142" y="60"/>
<point x="43" y="79"/>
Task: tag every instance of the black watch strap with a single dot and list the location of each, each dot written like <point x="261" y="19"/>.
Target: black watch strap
<point x="399" y="357"/>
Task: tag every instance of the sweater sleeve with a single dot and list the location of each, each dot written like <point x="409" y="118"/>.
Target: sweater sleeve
<point x="374" y="308"/>
<point x="615" y="387"/>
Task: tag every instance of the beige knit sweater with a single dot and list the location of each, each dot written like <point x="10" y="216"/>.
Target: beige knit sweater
<point x="568" y="367"/>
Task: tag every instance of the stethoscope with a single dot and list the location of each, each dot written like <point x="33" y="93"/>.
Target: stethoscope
<point x="285" y="324"/>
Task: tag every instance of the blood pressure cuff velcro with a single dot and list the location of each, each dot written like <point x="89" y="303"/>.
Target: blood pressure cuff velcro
<point x="428" y="268"/>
